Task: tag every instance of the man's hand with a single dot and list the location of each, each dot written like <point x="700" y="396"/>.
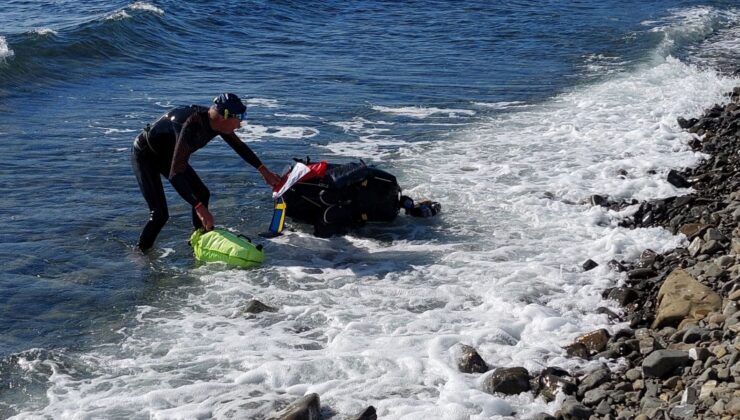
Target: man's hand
<point x="271" y="178"/>
<point x="205" y="216"/>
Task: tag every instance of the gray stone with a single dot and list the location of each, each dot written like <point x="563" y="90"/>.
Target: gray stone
<point x="594" y="379"/>
<point x="713" y="234"/>
<point x="306" y="408"/>
<point x="594" y="396"/>
<point x="712" y="270"/>
<point x="572" y="409"/>
<point x="683" y="411"/>
<point x="690" y="395"/>
<point x="633" y="374"/>
<point x="718" y="408"/>
<point x="733" y="407"/>
<point x="695" y="246"/>
<point x="577" y="350"/>
<point x="694" y="334"/>
<point x="648" y="403"/>
<point x="712" y="247"/>
<point x="725" y="261"/>
<point x="661" y="363"/>
<point x="699" y="353"/>
<point x="509" y="381"/>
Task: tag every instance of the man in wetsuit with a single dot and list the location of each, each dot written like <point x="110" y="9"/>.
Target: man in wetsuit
<point x="163" y="148"/>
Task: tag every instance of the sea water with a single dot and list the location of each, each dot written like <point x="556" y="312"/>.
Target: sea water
<point x="510" y="115"/>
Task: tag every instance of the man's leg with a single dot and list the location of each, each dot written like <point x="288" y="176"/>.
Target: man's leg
<point x="150" y="184"/>
<point x="200" y="190"/>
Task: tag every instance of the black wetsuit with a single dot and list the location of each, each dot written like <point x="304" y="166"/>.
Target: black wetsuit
<point x="164" y="148"/>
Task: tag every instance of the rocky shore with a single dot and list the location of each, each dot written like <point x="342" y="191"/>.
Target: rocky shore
<point x="680" y="356"/>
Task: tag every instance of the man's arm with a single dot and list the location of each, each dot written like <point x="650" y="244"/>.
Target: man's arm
<point x="248" y="155"/>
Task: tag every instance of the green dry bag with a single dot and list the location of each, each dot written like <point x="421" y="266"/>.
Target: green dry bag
<point x="222" y="246"/>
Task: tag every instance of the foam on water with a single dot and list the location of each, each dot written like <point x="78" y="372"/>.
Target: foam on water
<point x="256" y="132"/>
<point x="423" y="112"/>
<point x="45" y="31"/>
<point x="5" y="51"/>
<point x="364" y="321"/>
<point x="140" y="5"/>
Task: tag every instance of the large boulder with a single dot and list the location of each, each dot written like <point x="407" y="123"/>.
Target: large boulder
<point x="681" y="297"/>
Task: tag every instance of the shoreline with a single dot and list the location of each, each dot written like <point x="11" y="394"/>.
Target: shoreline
<point x="680" y="356"/>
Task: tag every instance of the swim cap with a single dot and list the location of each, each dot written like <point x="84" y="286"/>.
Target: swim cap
<point x="230" y="102"/>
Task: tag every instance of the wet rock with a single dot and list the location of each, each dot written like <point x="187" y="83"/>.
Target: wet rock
<point x="662" y="363"/>
<point x="641" y="274"/>
<point x="254" y="307"/>
<point x="589" y="265"/>
<point x="509" y="381"/>
<point x="681" y="296"/>
<point x="598" y="200"/>
<point x="684" y="123"/>
<point x="367" y="414"/>
<point x="595" y="341"/>
<point x="675" y="179"/>
<point x="306" y="408"/>
<point x="553" y="380"/>
<point x="543" y="416"/>
<point x="470" y="361"/>
<point x="623" y="295"/>
<point x="577" y="350"/>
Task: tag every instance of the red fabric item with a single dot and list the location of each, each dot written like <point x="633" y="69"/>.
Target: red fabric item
<point x="318" y="170"/>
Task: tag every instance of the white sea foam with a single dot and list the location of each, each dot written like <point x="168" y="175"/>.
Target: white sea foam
<point x="140" y="5"/>
<point x="118" y="15"/>
<point x="424" y="112"/>
<point x="502" y="104"/>
<point x="378" y="322"/>
<point x="263" y="102"/>
<point x="256" y="132"/>
<point x="691" y="25"/>
<point x="5" y="51"/>
<point x="44" y="31"/>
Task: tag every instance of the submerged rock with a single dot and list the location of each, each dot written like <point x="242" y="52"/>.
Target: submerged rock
<point x="254" y="307"/>
<point x="306" y="408"/>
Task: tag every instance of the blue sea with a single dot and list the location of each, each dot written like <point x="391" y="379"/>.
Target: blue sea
<point x="510" y="114"/>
